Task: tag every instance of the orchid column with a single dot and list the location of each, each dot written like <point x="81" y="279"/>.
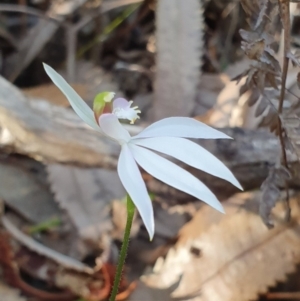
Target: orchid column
<point x="167" y="136"/>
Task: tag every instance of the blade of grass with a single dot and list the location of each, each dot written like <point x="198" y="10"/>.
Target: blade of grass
<point x="108" y="29"/>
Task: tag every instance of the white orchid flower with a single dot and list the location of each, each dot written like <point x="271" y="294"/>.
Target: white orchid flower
<point x="164" y="136"/>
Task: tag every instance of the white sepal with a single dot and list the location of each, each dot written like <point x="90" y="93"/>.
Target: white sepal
<point x="135" y="186"/>
<point x="190" y="153"/>
<point x="173" y="175"/>
<point x="181" y="127"/>
<point x="77" y="103"/>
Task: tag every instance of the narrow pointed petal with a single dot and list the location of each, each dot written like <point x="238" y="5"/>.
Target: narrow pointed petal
<point x="173" y="175"/>
<point x="181" y="127"/>
<point x="77" y="103"/>
<point x="191" y="154"/>
<point x="135" y="186"/>
<point x="110" y="125"/>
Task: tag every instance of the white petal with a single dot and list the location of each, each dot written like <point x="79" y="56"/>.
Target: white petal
<point x="134" y="185"/>
<point x="110" y="125"/>
<point x="191" y="154"/>
<point x="121" y="103"/>
<point x="181" y="127"/>
<point x="77" y="103"/>
<point x="173" y="175"/>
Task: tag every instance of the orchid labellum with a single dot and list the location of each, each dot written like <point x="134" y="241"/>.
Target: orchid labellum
<point x="166" y="136"/>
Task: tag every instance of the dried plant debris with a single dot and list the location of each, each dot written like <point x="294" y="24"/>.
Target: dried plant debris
<point x="271" y="192"/>
<point x="232" y="257"/>
<point x="11" y="274"/>
<point x="38" y="248"/>
<point x="86" y="194"/>
<point x="61" y="281"/>
<point x="10" y="294"/>
<point x="263" y="78"/>
<point x="291" y="124"/>
<point x="266" y="102"/>
<point x="255" y="11"/>
<point x="23" y="189"/>
<point x="261" y="14"/>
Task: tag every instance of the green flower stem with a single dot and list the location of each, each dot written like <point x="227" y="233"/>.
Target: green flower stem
<point x="123" y="253"/>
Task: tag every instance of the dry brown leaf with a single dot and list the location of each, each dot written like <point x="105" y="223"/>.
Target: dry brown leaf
<point x="240" y="96"/>
<point x="179" y="30"/>
<point x="259" y="13"/>
<point x="10" y="294"/>
<point x="291" y="113"/>
<point x="23" y="190"/>
<point x="271" y="193"/>
<point x="255" y="49"/>
<point x="86" y="193"/>
<point x="236" y="258"/>
<point x="255" y="11"/>
<point x="264" y="71"/>
<point x="292" y="129"/>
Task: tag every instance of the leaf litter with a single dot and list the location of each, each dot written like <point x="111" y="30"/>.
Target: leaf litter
<point x="271" y="192"/>
<point x="71" y="277"/>
<point x="39" y="260"/>
<point x="23" y="189"/>
<point x="231" y="257"/>
<point x="10" y="294"/>
<point x="86" y="194"/>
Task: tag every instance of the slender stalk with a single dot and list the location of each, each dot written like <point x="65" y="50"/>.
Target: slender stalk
<point x="285" y="17"/>
<point x="124" y="248"/>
